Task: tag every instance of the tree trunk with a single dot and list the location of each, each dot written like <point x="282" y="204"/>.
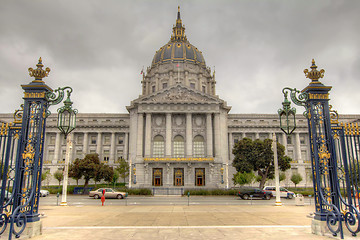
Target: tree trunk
<point x="85" y="185"/>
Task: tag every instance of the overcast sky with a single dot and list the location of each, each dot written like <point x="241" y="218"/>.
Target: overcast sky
<point x="256" y="47"/>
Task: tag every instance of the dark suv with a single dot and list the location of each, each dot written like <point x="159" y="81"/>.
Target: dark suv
<point x="247" y="193"/>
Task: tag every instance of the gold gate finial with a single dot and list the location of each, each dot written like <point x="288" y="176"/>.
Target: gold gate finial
<point x="39" y="73"/>
<point x="314" y="74"/>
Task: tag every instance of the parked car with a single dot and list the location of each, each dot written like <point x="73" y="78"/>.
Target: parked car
<point x="6" y="196"/>
<point x="283" y="192"/>
<point x="109" y="193"/>
<point x="247" y="193"/>
<point x="44" y="193"/>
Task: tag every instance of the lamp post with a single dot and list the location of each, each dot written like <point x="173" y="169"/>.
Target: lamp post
<point x="276" y="165"/>
<point x="66" y="124"/>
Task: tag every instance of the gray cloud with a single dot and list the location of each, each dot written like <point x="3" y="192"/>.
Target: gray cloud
<point x="257" y="48"/>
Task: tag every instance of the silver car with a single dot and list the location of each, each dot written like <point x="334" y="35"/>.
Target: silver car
<point x="109" y="193"/>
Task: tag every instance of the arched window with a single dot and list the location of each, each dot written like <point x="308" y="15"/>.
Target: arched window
<point x="159" y="146"/>
<point x="199" y="146"/>
<point x="179" y="147"/>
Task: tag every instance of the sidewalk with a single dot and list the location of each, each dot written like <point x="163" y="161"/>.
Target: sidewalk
<point x="178" y="222"/>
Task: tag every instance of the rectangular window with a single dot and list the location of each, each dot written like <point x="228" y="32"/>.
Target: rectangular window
<point x="63" y="154"/>
<point x="50" y="155"/>
<point x="153" y="88"/>
<point x="199" y="176"/>
<point x="192" y="85"/>
<point x="78" y="154"/>
<point x="290" y="153"/>
<point x="80" y="139"/>
<point x="52" y="140"/>
<point x="106" y="155"/>
<point x="302" y="139"/>
<point x="203" y="89"/>
<point x="164" y="85"/>
<point x="289" y="140"/>
<point x="119" y="153"/>
<point x="93" y="140"/>
<point x="92" y="151"/>
<point x="178" y="177"/>
<point x="121" y="140"/>
<point x="303" y="155"/>
<point x="106" y="140"/>
<point x="157" y="177"/>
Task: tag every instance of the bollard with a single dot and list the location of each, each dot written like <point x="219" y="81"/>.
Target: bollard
<point x="57" y="199"/>
<point x="188" y="198"/>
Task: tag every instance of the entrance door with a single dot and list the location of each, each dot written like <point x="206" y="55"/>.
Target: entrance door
<point x="157" y="176"/>
<point x="179" y="177"/>
<point x="200" y="176"/>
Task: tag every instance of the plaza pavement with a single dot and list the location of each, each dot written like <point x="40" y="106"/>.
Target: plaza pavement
<point x="178" y="222"/>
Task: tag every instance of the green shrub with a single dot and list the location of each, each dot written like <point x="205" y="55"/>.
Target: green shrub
<point x="205" y="192"/>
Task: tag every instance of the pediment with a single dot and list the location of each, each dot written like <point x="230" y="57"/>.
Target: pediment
<point x="179" y="94"/>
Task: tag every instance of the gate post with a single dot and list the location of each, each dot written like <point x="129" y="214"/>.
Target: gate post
<point x="315" y="99"/>
<point x="323" y="160"/>
<point x="30" y="151"/>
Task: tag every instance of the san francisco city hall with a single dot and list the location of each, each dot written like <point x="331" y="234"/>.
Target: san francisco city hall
<point x="178" y="133"/>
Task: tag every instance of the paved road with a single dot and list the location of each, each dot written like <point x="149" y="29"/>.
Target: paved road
<point x="74" y="200"/>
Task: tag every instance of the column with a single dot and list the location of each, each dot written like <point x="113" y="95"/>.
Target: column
<point x="57" y="148"/>
<point x="189" y="135"/>
<point x="126" y="144"/>
<point x="98" y="145"/>
<point x="231" y="145"/>
<point x="139" y="142"/>
<point x="297" y="147"/>
<point x="284" y="142"/>
<point x="112" y="148"/>
<point x="86" y="143"/>
<point x="148" y="135"/>
<point x="257" y="136"/>
<point x="168" y="135"/>
<point x="209" y="137"/>
<point x="217" y="134"/>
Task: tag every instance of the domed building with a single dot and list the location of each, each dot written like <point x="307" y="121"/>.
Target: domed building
<point x="178" y="130"/>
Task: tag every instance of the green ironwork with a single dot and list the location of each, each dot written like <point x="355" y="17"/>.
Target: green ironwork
<point x="67" y="116"/>
<point x="287" y="116"/>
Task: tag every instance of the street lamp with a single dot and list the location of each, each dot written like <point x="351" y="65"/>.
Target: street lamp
<point x="66" y="124"/>
<point x="287" y="115"/>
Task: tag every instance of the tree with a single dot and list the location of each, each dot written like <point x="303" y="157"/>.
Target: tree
<point x="108" y="173"/>
<point x="258" y="156"/>
<point x="45" y="175"/>
<point x="123" y="168"/>
<point x="243" y="178"/>
<point x="296" y="178"/>
<point x="74" y="171"/>
<point x="115" y="177"/>
<point x="88" y="167"/>
<point x="59" y="175"/>
<point x="282" y="176"/>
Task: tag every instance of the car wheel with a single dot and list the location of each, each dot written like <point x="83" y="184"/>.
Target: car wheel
<point x="96" y="196"/>
<point x="267" y="197"/>
<point x="245" y="197"/>
<point x="119" y="196"/>
<point x="290" y="196"/>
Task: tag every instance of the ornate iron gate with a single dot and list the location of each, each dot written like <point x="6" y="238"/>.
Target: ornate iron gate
<point x="21" y="154"/>
<point x="335" y="155"/>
